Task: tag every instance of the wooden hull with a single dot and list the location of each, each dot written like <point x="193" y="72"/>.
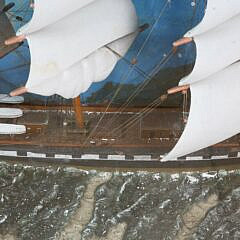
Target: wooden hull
<point x="120" y="156"/>
<point x="54" y="137"/>
<point x="124" y="162"/>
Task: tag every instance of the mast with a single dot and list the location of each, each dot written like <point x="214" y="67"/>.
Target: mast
<point x="78" y="112"/>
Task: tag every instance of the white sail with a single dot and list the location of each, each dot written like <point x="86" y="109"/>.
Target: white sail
<point x="61" y="45"/>
<point x="48" y="12"/>
<point x="12" y="129"/>
<point x="214" y="114"/>
<point x="10" y="112"/>
<point x="78" y="78"/>
<point x="216" y="49"/>
<point x="217" y="12"/>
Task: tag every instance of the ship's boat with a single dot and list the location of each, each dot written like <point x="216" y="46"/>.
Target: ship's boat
<point x="10" y="113"/>
<point x="5" y="98"/>
<point x="102" y="51"/>
<point x="12" y="129"/>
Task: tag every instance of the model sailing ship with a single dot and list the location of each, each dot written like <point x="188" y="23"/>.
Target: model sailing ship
<point x="66" y="60"/>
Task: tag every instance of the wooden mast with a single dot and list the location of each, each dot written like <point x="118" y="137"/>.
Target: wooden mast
<point x="78" y="112"/>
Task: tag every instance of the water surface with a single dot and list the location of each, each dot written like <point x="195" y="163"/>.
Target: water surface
<point x="69" y="203"/>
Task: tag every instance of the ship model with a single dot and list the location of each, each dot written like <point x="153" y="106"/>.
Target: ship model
<point x="76" y="44"/>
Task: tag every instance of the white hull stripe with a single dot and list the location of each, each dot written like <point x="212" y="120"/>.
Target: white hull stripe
<point x="123" y="157"/>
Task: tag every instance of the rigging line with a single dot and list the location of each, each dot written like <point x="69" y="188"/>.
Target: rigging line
<point x="126" y="125"/>
<point x="194" y="14"/>
<point x="108" y="106"/>
<point x="132" y="65"/>
<point x="148" y="77"/>
<point x="23" y="8"/>
<point x="134" y="118"/>
<point x="147" y="110"/>
<point x="141" y="87"/>
<point x="13" y="68"/>
<point x="144" y="114"/>
<point x="20" y="55"/>
<point x="27" y="8"/>
<point x="205" y="4"/>
<point x="15" y="18"/>
<point x="6" y="82"/>
<point x="18" y="9"/>
<point x="130" y="71"/>
<point x="2" y="32"/>
<point x="185" y="106"/>
<point x="137" y="69"/>
<point x="153" y="27"/>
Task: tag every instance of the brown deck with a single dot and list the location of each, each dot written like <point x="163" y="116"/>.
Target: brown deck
<point x="57" y="127"/>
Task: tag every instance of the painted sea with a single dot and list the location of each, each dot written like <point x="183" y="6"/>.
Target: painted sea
<point x="49" y="202"/>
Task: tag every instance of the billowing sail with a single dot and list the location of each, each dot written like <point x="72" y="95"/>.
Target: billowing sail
<point x="214" y="114"/>
<point x="217" y="12"/>
<point x="59" y="46"/>
<point x="47" y="12"/>
<point x="78" y="78"/>
<point x="216" y="49"/>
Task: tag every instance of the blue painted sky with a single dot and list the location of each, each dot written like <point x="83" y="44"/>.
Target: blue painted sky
<point x="168" y="19"/>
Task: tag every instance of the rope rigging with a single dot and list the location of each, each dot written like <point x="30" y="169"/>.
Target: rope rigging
<point x="144" y="112"/>
<point x="142" y="86"/>
<point x="133" y="120"/>
<point x="126" y="77"/>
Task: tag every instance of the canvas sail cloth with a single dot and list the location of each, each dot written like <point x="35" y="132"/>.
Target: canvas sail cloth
<point x="94" y="68"/>
<point x="216" y="12"/>
<point x="214" y="114"/>
<point x="216" y="49"/>
<point x="47" y="12"/>
<point x="57" y="47"/>
<point x="214" y="83"/>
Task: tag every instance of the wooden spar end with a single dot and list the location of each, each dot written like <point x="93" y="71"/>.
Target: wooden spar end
<point x="174" y="90"/>
<point x="182" y="41"/>
<point x="18" y="91"/>
<point x="13" y="40"/>
<point x="134" y="61"/>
